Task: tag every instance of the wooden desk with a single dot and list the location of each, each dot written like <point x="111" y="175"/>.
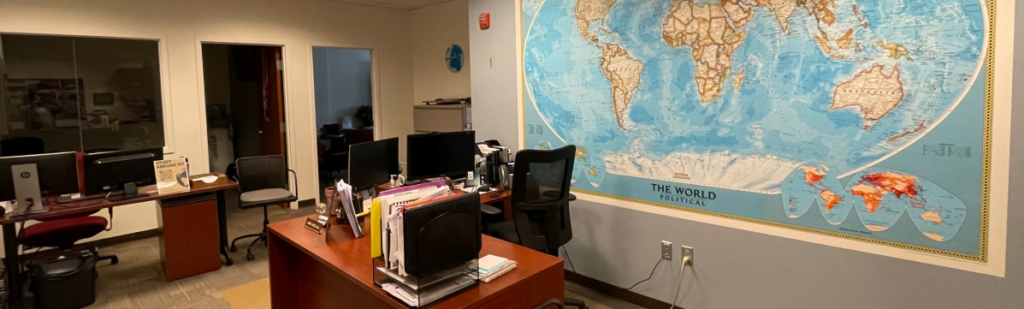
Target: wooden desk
<point x="12" y="260"/>
<point x="306" y="272"/>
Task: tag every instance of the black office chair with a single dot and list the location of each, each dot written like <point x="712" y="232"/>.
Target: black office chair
<point x="540" y="202"/>
<point x="21" y="146"/>
<point x="263" y="181"/>
<point x="551" y="302"/>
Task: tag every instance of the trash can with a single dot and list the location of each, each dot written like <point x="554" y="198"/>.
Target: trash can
<point x="66" y="282"/>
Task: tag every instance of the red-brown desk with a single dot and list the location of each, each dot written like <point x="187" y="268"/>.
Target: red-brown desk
<point x="307" y="272"/>
<point x="12" y="259"/>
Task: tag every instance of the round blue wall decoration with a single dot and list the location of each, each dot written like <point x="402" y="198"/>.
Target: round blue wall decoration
<point x="453" y="57"/>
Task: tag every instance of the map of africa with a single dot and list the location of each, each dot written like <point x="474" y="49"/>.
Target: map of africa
<point x="769" y="97"/>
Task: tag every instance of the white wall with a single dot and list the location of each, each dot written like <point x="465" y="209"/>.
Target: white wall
<point x="495" y="98"/>
<point x="434" y="29"/>
<point x="616" y="242"/>
<point x="342" y="79"/>
<point x="297" y="25"/>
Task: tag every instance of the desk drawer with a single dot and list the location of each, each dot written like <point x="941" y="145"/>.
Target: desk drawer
<point x="189" y="239"/>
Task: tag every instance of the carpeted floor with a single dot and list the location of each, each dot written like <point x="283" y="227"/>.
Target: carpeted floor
<point x="137" y="281"/>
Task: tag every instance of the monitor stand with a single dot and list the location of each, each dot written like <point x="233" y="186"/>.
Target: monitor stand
<point x="130" y="192"/>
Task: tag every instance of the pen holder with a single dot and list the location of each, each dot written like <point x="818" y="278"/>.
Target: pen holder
<point x="339" y="212"/>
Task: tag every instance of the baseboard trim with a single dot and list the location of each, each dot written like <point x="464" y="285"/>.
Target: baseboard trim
<point x="307" y="202"/>
<point x="614" y="291"/>
<point x="98" y="243"/>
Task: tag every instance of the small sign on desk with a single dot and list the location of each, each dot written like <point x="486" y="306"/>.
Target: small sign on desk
<point x="319" y="225"/>
<point x="172" y="175"/>
<point x="313" y="225"/>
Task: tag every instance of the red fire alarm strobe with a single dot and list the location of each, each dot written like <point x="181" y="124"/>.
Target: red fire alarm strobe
<point x="485" y="21"/>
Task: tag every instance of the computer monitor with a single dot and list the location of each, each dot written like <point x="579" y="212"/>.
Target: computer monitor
<point x="372" y="163"/>
<point x="331" y="129"/>
<point x="440" y="154"/>
<point x="120" y="171"/>
<point x="58" y="173"/>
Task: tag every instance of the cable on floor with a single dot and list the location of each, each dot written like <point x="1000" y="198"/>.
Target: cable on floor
<point x="679" y="284"/>
<point x="567" y="258"/>
<point x="649" y="276"/>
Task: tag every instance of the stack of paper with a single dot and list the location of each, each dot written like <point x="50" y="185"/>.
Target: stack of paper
<point x="492" y="267"/>
<point x="392" y="229"/>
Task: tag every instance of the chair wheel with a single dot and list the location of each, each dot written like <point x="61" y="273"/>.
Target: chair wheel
<point x="250" y="257"/>
<point x="113" y="260"/>
<point x="233" y="248"/>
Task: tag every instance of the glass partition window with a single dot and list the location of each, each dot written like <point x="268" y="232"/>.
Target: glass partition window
<point x="62" y="93"/>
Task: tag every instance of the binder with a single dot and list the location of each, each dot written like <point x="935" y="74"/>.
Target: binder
<point x="375" y="230"/>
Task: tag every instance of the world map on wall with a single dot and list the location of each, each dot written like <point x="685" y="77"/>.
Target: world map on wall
<point x="739" y="93"/>
<point x="798" y="98"/>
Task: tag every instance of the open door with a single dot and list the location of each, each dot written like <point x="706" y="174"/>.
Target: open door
<point x="272" y="138"/>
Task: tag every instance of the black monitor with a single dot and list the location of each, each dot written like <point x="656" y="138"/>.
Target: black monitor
<point x="58" y="173"/>
<point x="120" y="171"/>
<point x="372" y="163"/>
<point x="440" y="154"/>
<point x="331" y="129"/>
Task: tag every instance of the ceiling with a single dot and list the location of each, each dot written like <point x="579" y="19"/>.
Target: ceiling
<point x="396" y="4"/>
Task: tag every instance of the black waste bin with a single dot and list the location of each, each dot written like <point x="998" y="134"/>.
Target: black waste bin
<point x="66" y="282"/>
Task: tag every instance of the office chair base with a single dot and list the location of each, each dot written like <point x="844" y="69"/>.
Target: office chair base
<point x="234" y="247"/>
<point x="113" y="259"/>
<point x="249" y="255"/>
<point x="575" y="303"/>
<point x="248" y="252"/>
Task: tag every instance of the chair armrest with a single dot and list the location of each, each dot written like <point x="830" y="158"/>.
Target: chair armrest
<point x="295" y="182"/>
<point x="489" y="210"/>
<point x="554" y="194"/>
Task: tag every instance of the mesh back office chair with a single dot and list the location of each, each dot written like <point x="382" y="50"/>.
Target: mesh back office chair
<point x="21" y="146"/>
<point x="262" y="181"/>
<point x="540" y="202"/>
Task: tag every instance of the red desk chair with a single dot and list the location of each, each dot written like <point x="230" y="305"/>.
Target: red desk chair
<point x="63" y="232"/>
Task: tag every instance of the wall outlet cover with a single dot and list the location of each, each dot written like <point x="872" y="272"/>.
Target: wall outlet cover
<point x="688" y="253"/>
<point x="666" y="250"/>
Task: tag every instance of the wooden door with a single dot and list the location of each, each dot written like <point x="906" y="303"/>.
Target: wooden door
<point x="272" y="125"/>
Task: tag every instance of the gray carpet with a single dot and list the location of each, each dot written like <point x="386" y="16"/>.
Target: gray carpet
<point x="137" y="281"/>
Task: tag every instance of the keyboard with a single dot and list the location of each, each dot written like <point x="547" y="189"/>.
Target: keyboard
<point x="64" y="199"/>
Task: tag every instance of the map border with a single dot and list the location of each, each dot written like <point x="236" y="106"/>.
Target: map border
<point x="986" y="177"/>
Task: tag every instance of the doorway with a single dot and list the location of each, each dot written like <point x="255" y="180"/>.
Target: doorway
<point x="343" y="91"/>
<point x="245" y="112"/>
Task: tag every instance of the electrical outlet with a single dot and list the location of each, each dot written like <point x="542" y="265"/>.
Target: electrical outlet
<point x="688" y="254"/>
<point x="666" y="250"/>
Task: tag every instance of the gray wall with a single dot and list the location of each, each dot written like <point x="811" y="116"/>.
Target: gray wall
<point x="734" y="268"/>
<point x="493" y="83"/>
<point x="341" y="80"/>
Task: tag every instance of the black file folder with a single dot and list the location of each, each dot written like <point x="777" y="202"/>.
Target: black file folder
<point x="442" y="235"/>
